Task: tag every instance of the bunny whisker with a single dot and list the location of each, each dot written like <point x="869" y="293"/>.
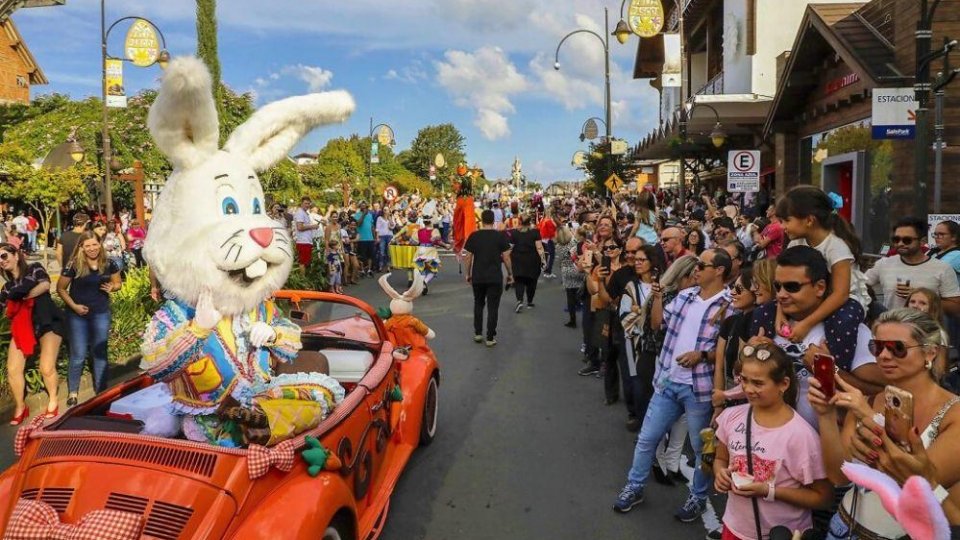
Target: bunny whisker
<point x="227" y="256"/>
<point x="232" y="236"/>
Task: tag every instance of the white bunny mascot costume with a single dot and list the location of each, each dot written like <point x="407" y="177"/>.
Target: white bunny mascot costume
<point x="219" y="258"/>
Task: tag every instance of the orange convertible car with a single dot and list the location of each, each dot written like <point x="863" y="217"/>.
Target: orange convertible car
<point x="92" y="470"/>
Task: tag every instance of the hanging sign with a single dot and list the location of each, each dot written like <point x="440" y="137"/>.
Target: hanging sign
<point x="645" y="17"/>
<point x="743" y="171"/>
<point x="439" y="161"/>
<point x="579" y="158"/>
<point x="591" y="130"/>
<point x="385" y="136"/>
<point x="116" y="97"/>
<point x="141" y="44"/>
<point x="433" y="172"/>
<point x="374" y="152"/>
<point x="894" y="113"/>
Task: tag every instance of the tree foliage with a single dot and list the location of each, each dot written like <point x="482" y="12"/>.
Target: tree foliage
<point x="207" y="51"/>
<point x="599" y="166"/>
<point x="430" y="140"/>
<point x="339" y="169"/>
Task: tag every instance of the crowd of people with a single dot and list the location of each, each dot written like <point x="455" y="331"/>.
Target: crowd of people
<point x="763" y="336"/>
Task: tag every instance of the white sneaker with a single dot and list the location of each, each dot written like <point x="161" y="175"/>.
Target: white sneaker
<point x="519" y="307"/>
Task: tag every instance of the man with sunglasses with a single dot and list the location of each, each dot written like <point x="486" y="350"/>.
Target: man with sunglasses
<point x="671" y="241"/>
<point x="801" y="283"/>
<point x="683" y="381"/>
<point x="894" y="277"/>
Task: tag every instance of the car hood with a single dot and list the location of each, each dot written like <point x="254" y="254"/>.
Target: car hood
<point x="173" y="506"/>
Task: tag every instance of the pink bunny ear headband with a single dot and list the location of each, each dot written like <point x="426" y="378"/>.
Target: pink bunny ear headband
<point x="914" y="506"/>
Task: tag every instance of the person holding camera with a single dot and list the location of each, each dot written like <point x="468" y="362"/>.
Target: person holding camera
<point x="912" y="409"/>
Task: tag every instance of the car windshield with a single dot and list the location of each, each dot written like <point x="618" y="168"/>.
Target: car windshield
<point x="324" y="318"/>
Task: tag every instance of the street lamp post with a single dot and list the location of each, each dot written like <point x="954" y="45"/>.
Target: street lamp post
<point x="385" y="136"/>
<point x="717" y="137"/>
<point x="921" y="88"/>
<point x="605" y="41"/>
<point x="162" y="58"/>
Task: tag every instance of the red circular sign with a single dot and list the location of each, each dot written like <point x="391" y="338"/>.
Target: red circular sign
<point x="390" y="193"/>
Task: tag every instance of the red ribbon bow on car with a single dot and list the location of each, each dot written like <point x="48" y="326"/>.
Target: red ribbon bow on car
<point x="36" y="520"/>
<point x="23" y="434"/>
<point x="261" y="458"/>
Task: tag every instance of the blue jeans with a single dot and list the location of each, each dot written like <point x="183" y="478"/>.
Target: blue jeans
<point x="88" y="332"/>
<point x="551" y="250"/>
<point x="383" y="249"/>
<point x="664" y="409"/>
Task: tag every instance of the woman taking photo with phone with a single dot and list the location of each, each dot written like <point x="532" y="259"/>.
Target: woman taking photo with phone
<point x="768" y="456"/>
<point x="906" y="343"/>
<point x="26" y="296"/>
<point x="610" y="260"/>
<point x="85" y="288"/>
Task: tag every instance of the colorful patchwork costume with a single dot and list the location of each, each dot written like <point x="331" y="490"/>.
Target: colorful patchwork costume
<point x="205" y="368"/>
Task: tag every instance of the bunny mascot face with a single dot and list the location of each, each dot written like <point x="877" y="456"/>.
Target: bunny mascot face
<point x="404" y="329"/>
<point x="219" y="257"/>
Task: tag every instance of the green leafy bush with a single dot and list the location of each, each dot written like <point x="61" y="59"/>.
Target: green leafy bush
<point x="313" y="278"/>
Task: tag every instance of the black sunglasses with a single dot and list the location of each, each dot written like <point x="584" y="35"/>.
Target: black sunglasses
<point x="896" y="347"/>
<point x="904" y="239"/>
<point x="611" y="248"/>
<point x="790" y="286"/>
<point x="701" y="265"/>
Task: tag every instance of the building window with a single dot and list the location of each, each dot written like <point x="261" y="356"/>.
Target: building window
<point x="21" y="81"/>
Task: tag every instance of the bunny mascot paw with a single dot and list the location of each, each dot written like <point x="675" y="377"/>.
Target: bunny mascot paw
<point x="914" y="506"/>
<point x="219" y="258"/>
<point x="404" y="329"/>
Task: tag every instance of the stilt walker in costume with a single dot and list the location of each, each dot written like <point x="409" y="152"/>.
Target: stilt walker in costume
<point x="219" y="258"/>
<point x="464" y="220"/>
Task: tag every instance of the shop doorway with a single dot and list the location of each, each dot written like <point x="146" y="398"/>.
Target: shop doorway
<point x="846" y="175"/>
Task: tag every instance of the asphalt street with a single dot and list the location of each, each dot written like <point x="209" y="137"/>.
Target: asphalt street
<point x="526" y="448"/>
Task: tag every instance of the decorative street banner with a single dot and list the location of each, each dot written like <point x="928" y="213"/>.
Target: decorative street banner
<point x="743" y="171"/>
<point x="645" y="17"/>
<point x="374" y="152"/>
<point x="116" y="97"/>
<point x="141" y="44"/>
<point x="894" y="113"/>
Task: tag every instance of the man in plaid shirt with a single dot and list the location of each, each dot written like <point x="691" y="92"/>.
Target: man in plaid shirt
<point x="683" y="382"/>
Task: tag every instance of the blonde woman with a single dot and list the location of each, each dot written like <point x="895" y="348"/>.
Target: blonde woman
<point x="85" y="288"/>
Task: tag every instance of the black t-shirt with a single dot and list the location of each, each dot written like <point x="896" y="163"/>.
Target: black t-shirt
<point x="68" y="241"/>
<point x="617" y="285"/>
<point x="487" y="245"/>
<point x="86" y="290"/>
<point x="733" y="329"/>
<point x="18" y="289"/>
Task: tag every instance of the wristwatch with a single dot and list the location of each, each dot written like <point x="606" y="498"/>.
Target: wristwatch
<point x="771" y="493"/>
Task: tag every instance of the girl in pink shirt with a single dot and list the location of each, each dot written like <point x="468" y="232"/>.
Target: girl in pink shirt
<point x="788" y="477"/>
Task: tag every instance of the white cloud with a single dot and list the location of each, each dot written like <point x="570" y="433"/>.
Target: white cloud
<point x="412" y="73"/>
<point x="483" y="80"/>
<point x="316" y="78"/>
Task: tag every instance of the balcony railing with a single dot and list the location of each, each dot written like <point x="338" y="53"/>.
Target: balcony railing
<point x="713" y="87"/>
<point x="674" y="21"/>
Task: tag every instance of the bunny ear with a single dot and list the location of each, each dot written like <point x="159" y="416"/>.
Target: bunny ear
<point x="267" y="136"/>
<point x="416" y="289"/>
<point x="872" y="479"/>
<point x="387" y="288"/>
<point x="183" y="118"/>
<point x="920" y="513"/>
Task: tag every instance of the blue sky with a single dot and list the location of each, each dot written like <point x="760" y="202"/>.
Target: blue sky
<point x="484" y="65"/>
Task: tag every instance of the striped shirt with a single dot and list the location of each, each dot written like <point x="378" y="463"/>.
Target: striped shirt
<point x="708" y="329"/>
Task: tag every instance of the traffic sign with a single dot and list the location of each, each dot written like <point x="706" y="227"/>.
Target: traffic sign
<point x="613" y="183"/>
<point x="894" y="113"/>
<point x="433" y="172"/>
<point x="390" y="193"/>
<point x="743" y="171"/>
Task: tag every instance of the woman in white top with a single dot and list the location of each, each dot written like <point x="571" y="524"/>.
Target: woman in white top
<point x="906" y="343"/>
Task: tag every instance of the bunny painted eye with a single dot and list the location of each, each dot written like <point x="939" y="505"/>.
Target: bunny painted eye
<point x="230" y="206"/>
<point x="256" y="206"/>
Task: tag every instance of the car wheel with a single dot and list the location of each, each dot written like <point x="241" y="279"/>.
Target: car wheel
<point x="431" y="404"/>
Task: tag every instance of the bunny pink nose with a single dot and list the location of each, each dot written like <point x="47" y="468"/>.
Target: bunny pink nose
<point x="262" y="236"/>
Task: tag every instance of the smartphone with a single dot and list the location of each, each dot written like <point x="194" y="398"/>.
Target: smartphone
<point x="824" y="369"/>
<point x="586" y="259"/>
<point x="898" y="415"/>
<point x="605" y="262"/>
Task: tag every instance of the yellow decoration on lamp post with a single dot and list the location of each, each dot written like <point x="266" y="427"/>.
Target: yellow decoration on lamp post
<point x="142" y="45"/>
<point x="645" y="17"/>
